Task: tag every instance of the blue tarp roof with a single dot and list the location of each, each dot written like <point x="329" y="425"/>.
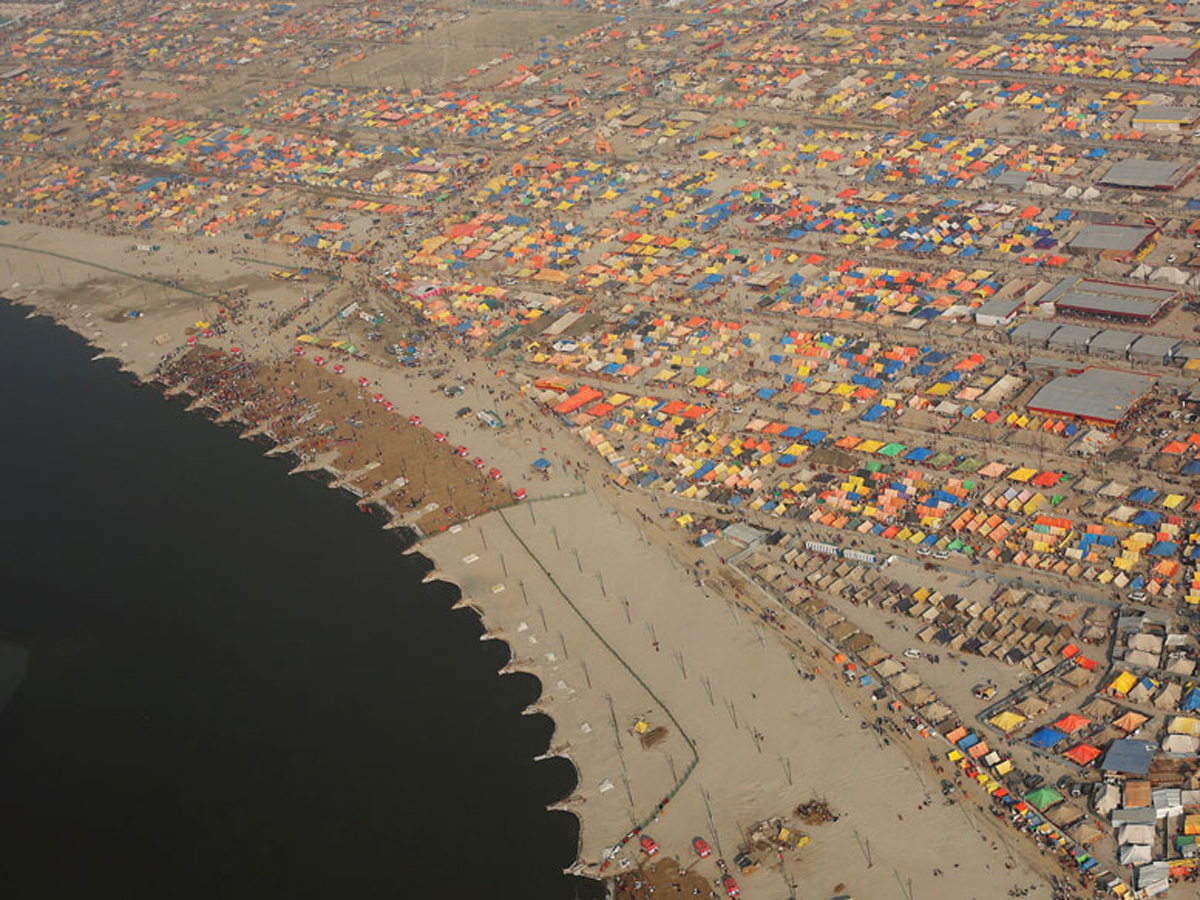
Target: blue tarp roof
<point x="1046" y="737"/>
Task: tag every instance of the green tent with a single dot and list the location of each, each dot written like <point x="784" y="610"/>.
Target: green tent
<point x="1043" y="798"/>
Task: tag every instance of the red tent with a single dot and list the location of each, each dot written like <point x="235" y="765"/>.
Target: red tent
<point x="1082" y="754"/>
<point x="1071" y="723"/>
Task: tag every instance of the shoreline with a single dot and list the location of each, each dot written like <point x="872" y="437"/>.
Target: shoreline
<point x="410" y="536"/>
<point x="718" y="803"/>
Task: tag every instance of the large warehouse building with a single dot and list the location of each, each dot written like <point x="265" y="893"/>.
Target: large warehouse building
<point x="1097" y="395"/>
<point x="1112" y="300"/>
<point x="1148" y="174"/>
<point x="1112" y="241"/>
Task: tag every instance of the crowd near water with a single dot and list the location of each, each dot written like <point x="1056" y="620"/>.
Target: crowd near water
<point x="218" y="705"/>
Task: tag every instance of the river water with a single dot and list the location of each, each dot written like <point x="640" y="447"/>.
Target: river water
<point x="237" y="685"/>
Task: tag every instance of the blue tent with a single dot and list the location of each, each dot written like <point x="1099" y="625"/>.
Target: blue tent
<point x="1046" y="737"/>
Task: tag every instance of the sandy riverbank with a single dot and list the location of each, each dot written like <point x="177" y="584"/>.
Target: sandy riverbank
<point x="589" y="601"/>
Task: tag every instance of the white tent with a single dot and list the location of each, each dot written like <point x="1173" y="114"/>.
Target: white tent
<point x="1105" y="798"/>
<point x="1135" y="834"/>
<point x="1134" y="854"/>
<point x="1180" y="743"/>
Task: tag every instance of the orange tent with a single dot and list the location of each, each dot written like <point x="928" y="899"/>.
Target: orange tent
<point x="1082" y="754"/>
<point x="1071" y="723"/>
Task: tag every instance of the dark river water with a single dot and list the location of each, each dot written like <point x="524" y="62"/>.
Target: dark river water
<point x="237" y="685"/>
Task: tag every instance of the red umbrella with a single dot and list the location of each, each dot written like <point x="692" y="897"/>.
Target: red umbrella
<point x="439" y="437"/>
<point x="339" y="370"/>
<point x="520" y="494"/>
<point x="478" y="463"/>
<point x="463" y="452"/>
<point x="414" y="420"/>
<point x="363" y="382"/>
<point x="494" y="474"/>
<point x="236" y="351"/>
<point x="319" y="360"/>
<point x="299" y="351"/>
<point x="378" y="398"/>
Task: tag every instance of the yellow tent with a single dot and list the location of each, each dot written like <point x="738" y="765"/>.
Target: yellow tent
<point x="1007" y="720"/>
<point x="1184" y="725"/>
<point x="1123" y="683"/>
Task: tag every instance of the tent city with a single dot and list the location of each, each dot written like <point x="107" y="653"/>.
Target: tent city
<point x="805" y="391"/>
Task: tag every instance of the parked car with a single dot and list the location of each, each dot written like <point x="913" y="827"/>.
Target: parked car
<point x="912" y="653"/>
<point x="942" y="554"/>
<point x="649" y="845"/>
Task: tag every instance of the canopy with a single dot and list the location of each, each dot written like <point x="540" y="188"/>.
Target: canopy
<point x="1130" y="722"/>
<point x="1043" y="798"/>
<point x="1007" y="720"/>
<point x="1071" y="723"/>
<point x="1082" y="754"/>
<point x="1046" y="737"/>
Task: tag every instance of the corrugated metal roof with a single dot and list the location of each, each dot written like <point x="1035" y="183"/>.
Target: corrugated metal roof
<point x="1169" y="53"/>
<point x="1146" y="173"/>
<point x="1128" y="757"/>
<point x="1108" y="304"/>
<point x="1112" y="342"/>
<point x="1111" y="237"/>
<point x="1034" y="331"/>
<point x="1113" y="298"/>
<point x="1155" y="346"/>
<point x="1161" y="112"/>
<point x="1001" y="307"/>
<point x="1073" y="336"/>
<point x="1101" y="394"/>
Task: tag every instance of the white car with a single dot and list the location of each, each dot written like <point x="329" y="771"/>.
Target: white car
<point x="1137" y="596"/>
<point x="912" y="654"/>
<point x="924" y="551"/>
<point x="942" y="554"/>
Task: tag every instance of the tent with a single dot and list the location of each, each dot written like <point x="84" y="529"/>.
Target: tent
<point x="1082" y="754"/>
<point x="1133" y="854"/>
<point x="1043" y="798"/>
<point x="1007" y="720"/>
<point x="1071" y="723"/>
<point x="1046" y="737"/>
<point x="1123" y="683"/>
<point x="1130" y="722"/>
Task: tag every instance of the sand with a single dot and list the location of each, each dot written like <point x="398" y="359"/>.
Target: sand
<point x="593" y="601"/>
